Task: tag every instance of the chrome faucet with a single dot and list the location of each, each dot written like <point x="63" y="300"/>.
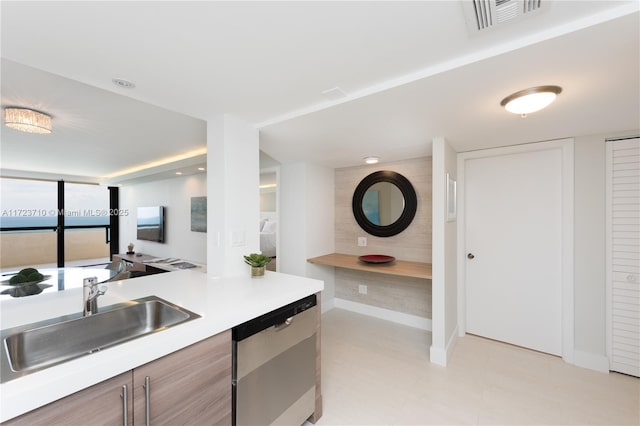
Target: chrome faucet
<point x="90" y="293"/>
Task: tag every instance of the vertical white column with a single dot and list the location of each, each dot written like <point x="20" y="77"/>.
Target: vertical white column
<point x="444" y="240"/>
<point x="233" y="211"/>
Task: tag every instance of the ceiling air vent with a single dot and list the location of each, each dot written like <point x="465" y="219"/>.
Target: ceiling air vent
<point x="483" y="14"/>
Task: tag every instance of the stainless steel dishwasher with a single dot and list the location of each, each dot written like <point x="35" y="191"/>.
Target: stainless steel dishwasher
<point x="274" y="366"/>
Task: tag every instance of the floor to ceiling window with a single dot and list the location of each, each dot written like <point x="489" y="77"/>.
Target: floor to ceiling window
<point x="86" y="223"/>
<point x="56" y="223"/>
<point x="28" y="219"/>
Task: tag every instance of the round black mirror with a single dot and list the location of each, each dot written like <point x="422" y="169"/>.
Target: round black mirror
<point x="384" y="203"/>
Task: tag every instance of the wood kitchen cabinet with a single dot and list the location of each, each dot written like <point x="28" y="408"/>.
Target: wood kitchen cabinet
<point x="190" y="386"/>
<point x="101" y="404"/>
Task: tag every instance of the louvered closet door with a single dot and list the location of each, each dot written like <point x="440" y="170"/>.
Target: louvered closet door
<point x="623" y="254"/>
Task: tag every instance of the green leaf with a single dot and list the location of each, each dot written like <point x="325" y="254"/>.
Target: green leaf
<point x="256" y="260"/>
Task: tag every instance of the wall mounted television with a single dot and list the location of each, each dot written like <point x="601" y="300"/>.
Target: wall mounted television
<point x="150" y="223"/>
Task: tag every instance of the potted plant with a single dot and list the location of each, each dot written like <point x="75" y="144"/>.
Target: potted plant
<point x="257" y="263"/>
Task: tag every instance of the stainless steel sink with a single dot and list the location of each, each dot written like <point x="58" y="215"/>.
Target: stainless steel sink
<point x="32" y="347"/>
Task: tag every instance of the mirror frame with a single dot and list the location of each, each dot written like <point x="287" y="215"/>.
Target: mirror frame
<point x="410" y="203"/>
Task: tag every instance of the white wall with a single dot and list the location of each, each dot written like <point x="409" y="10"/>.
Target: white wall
<point x="175" y="194"/>
<point x="293" y="220"/>
<point x="307" y="222"/>
<point x="444" y="261"/>
<point x="320" y="226"/>
<point x="589" y="246"/>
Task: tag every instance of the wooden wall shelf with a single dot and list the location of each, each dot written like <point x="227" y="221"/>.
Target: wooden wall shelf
<point x="399" y="267"/>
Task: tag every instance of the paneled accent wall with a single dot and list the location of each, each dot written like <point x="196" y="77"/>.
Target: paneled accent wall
<point x="406" y="295"/>
<point x="414" y="243"/>
<point x="402" y="294"/>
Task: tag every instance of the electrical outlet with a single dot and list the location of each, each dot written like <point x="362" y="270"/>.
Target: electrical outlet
<point x="362" y="289"/>
<point x="362" y="241"/>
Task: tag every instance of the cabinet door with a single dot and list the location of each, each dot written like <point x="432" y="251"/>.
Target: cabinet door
<point x="190" y="386"/>
<point x="101" y="404"/>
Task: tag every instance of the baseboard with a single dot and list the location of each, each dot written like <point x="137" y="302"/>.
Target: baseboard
<point x="591" y="361"/>
<point x="385" y="314"/>
<point x="328" y="305"/>
<point x="441" y="356"/>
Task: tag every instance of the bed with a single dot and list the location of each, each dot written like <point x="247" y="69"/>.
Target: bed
<point x="268" y="238"/>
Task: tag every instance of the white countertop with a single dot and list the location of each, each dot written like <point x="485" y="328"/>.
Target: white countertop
<point x="222" y="302"/>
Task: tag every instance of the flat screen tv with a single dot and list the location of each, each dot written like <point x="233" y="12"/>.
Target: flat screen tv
<point x="150" y="224"/>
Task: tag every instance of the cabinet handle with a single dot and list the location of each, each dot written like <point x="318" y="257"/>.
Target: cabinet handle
<point x="125" y="406"/>
<point x="147" y="402"/>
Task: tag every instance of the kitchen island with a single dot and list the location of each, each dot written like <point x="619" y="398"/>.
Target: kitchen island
<point x="222" y="303"/>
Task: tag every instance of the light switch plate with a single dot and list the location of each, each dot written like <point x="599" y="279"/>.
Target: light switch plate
<point x="237" y="238"/>
<point x="362" y="241"/>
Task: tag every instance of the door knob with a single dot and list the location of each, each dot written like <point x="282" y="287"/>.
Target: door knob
<point x="470" y="256"/>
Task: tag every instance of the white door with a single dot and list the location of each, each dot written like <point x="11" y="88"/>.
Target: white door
<point x="513" y="210"/>
<point x="623" y="255"/>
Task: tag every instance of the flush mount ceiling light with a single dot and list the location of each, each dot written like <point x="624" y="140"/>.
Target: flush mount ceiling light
<point x="27" y="120"/>
<point x="371" y="160"/>
<point x="530" y="100"/>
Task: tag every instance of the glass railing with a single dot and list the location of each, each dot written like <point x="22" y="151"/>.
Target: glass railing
<point x="22" y="247"/>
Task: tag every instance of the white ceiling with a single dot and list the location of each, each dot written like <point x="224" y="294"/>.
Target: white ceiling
<point x="412" y="71"/>
<point x="95" y="132"/>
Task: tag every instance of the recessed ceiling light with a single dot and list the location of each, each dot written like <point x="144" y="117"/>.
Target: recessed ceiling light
<point x="371" y="159"/>
<point x="202" y="169"/>
<point x="125" y="84"/>
<point x="178" y="173"/>
<point x="530" y="100"/>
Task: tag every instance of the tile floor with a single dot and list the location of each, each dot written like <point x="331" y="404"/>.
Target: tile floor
<point x="378" y="373"/>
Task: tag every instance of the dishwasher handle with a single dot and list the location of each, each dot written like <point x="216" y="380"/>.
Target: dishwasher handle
<point x="279" y="318"/>
<point x="286" y="323"/>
